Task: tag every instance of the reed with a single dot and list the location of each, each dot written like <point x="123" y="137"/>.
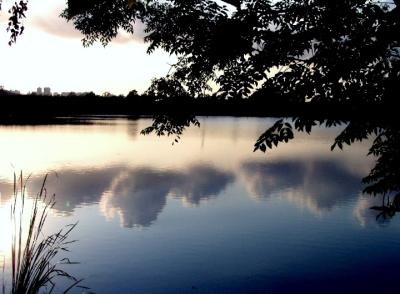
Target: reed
<point x="33" y="254"/>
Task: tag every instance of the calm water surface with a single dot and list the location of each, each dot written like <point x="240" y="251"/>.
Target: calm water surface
<point x="206" y="215"/>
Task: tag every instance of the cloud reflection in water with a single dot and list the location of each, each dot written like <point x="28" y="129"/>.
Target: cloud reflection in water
<point x="137" y="195"/>
<point x="318" y="185"/>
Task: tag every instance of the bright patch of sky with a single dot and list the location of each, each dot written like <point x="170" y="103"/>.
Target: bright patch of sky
<point x="50" y="54"/>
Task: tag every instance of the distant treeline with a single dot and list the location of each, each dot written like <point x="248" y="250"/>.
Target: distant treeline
<point x="20" y="108"/>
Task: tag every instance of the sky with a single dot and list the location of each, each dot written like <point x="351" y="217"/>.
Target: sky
<point x="50" y="54"/>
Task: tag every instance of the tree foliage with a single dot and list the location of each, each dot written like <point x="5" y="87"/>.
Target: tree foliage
<point x="312" y="49"/>
<point x="164" y="88"/>
<point x="17" y="13"/>
<point x="171" y="125"/>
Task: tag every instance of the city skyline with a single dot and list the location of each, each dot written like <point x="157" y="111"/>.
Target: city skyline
<point x="47" y="91"/>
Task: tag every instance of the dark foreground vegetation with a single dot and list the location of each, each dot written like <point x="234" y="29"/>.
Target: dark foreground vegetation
<point x="35" y="256"/>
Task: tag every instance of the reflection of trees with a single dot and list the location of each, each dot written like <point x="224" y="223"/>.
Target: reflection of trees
<point x="320" y="185"/>
<point x="379" y="210"/>
<point x="132" y="128"/>
<point x="388" y="208"/>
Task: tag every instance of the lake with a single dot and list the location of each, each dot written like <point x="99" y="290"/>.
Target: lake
<point x="206" y="214"/>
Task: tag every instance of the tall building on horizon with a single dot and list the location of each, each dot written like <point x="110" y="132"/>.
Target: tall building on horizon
<point x="46" y="91"/>
<point x="39" y="91"/>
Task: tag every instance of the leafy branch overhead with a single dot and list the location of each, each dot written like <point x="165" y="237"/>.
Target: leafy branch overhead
<point x="168" y="125"/>
<point x="314" y="50"/>
<point x="280" y="132"/>
<point x="17" y="13"/>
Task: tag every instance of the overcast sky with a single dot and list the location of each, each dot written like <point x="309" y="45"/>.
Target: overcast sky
<point x="50" y="54"/>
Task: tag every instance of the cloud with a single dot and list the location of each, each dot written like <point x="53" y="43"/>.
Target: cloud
<point x="318" y="185"/>
<point x="53" y="24"/>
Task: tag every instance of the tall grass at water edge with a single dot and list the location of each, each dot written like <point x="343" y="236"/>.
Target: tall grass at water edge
<point x="33" y="254"/>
